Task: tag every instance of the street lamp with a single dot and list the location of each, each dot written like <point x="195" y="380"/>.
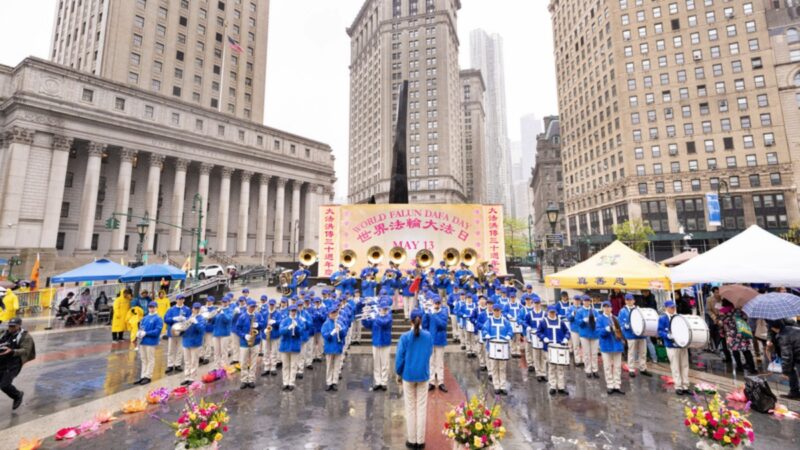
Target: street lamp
<point x="530" y="238"/>
<point x="141" y="228"/>
<point x="197" y="207"/>
<point x="552" y="217"/>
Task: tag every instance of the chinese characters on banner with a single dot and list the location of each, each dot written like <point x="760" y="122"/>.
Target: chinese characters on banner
<point x="413" y="227"/>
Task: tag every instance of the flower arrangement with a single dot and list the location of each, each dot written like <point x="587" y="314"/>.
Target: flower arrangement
<point x="156" y="396"/>
<point x="134" y="406"/>
<point x="215" y="375"/>
<point x="29" y="444"/>
<point x="706" y="388"/>
<point x="717" y="425"/>
<point x="201" y="424"/>
<point x="474" y="425"/>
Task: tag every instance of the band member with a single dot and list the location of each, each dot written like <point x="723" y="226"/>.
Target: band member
<point x="338" y="277"/>
<point x="412" y="365"/>
<point x="271" y="336"/>
<point x="381" y="326"/>
<point x="441" y="279"/>
<point x="497" y="328"/>
<point x="350" y="284"/>
<point x="368" y="285"/>
<point x="554" y="330"/>
<point x="17" y="348"/>
<point x="611" y="346"/>
<point x="480" y="317"/>
<point x="223" y="323"/>
<point x="319" y="316"/>
<point x="147" y="338"/>
<point x="300" y="274"/>
<point x="404" y="284"/>
<point x="291" y="343"/>
<point x="192" y="341"/>
<point x="590" y="334"/>
<point x="236" y="310"/>
<point x="562" y="306"/>
<point x="175" y="314"/>
<point x="334" y="335"/>
<point x="575" y="337"/>
<point x="678" y="357"/>
<point x="370" y="271"/>
<point x="465" y="309"/>
<point x="531" y="319"/>
<point x="391" y="278"/>
<point x="637" y="347"/>
<point x="249" y="328"/>
<point x="305" y="325"/>
<point x="511" y="312"/>
<point x="208" y="337"/>
<point x="435" y="321"/>
<point x="463" y="276"/>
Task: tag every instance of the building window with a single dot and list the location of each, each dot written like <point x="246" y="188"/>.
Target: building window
<point x="775" y="179"/>
<point x="792" y="36"/>
<point x="691" y="213"/>
<point x="138" y="21"/>
<point x="770" y="211"/>
<point x="119" y="104"/>
<point x="732" y="212"/>
<point x="87" y="95"/>
<point x="654" y="213"/>
<point x="149" y="111"/>
<point x="176" y="119"/>
<point x="64" y="210"/>
<point x="221" y="130"/>
<point x="60" y="237"/>
<point x="198" y="124"/>
<point x="133" y="78"/>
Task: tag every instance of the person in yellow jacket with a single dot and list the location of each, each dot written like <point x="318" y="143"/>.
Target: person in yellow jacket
<point x="120" y="313"/>
<point x="10" y="305"/>
<point x="163" y="305"/>
<point x="132" y="320"/>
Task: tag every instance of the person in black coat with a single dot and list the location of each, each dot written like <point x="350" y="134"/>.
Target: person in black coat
<point x="787" y="337"/>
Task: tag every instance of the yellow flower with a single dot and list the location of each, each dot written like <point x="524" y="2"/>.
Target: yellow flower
<point x="694" y="428"/>
<point x="477" y="442"/>
<point x="461" y="421"/>
<point x="192" y="417"/>
<point x="501" y="429"/>
<point x="479" y="426"/>
<point x="451" y="414"/>
<point x="451" y="435"/>
<point x="727" y="439"/>
<point x="178" y="433"/>
<point x="218" y="437"/>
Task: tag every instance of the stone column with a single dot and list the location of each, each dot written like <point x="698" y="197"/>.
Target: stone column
<point x="672" y="216"/>
<point x="202" y="190"/>
<point x="280" y="200"/>
<point x="261" y="225"/>
<point x="19" y="142"/>
<point x="244" y="213"/>
<point x="224" y="208"/>
<point x="294" y="230"/>
<point x="91" y="182"/>
<point x="151" y="205"/>
<point x="122" y="203"/>
<point x="315" y="193"/>
<point x="308" y="212"/>
<point x="178" y="193"/>
<point x="55" y="190"/>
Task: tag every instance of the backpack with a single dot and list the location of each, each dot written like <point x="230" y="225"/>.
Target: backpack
<point x="759" y="394"/>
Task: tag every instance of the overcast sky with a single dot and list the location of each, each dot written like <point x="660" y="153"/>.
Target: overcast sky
<point x="309" y="51"/>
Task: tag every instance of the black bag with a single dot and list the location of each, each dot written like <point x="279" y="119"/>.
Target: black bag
<point x="759" y="394"/>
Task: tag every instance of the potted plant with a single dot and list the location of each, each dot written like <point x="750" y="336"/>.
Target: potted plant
<point x="201" y="425"/>
<point x="474" y="425"/>
<point x="718" y="427"/>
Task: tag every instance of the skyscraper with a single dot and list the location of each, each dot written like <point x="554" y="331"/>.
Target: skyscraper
<point x="473" y="131"/>
<point x="414" y="40"/>
<point x="211" y="53"/>
<point x="661" y="102"/>
<point x="530" y="126"/>
<point x="487" y="56"/>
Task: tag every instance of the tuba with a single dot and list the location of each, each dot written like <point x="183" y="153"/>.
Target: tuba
<point x="284" y="282"/>
<point x="308" y="257"/>
<point x="348" y="258"/>
<point x="397" y="255"/>
<point x="484" y="274"/>
<point x="375" y="255"/>
<point x="424" y="258"/>
<point x="469" y="256"/>
<point x="451" y="257"/>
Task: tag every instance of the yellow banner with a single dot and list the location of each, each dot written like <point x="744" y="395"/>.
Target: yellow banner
<point x="412" y="227"/>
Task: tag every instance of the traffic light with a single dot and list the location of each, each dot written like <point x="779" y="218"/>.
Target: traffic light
<point x="199" y="258"/>
<point x="112" y="223"/>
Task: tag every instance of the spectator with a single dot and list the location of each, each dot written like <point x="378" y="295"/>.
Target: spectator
<point x="122" y="304"/>
<point x="713" y="304"/>
<point x="788" y="344"/>
<point x="142" y="300"/>
<point x="16" y="349"/>
<point x="617" y="300"/>
<point x="87" y="304"/>
<point x="647" y="300"/>
<point x="63" y="306"/>
<point x="738" y="343"/>
<point x="10" y="305"/>
<point x="683" y="303"/>
<point x="101" y="302"/>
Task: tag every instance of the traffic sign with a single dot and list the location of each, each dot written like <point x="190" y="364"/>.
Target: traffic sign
<point x="554" y="239"/>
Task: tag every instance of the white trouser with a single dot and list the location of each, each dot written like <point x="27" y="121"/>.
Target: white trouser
<point x="148" y="355"/>
<point x="498" y="371"/>
<point x="333" y="364"/>
<point x="590" y="348"/>
<point x="233" y="348"/>
<point x="555" y="376"/>
<point x="407" y="306"/>
<point x="174" y="353"/>
<point x="415" y="399"/>
<point x="380" y="365"/>
<point x="289" y="368"/>
<point x="679" y="364"/>
<point x="270" y="354"/>
<point x="318" y="345"/>
<point x="300" y="359"/>
<point x="469" y="341"/>
<point x="637" y="355"/>
<point x="208" y="346"/>
<point x="437" y="365"/>
<point x="482" y="359"/>
<point x="528" y="353"/>
<point x="221" y="351"/>
<point x="454" y="327"/>
<point x="539" y="361"/>
<point x="190" y="362"/>
<point x="308" y="350"/>
<point x="612" y="366"/>
<point x="515" y="344"/>
<point x="575" y="345"/>
<point x="248" y="358"/>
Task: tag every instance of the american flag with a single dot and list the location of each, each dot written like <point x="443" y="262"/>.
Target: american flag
<point x="234" y="45"/>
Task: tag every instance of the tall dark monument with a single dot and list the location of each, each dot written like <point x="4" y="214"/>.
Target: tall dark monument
<point x="398" y="187"/>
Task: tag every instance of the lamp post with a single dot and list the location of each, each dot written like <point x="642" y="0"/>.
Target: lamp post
<point x="722" y="189"/>
<point x="197" y="207"/>
<point x="530" y="238"/>
<point x="552" y="217"/>
<point x="141" y="229"/>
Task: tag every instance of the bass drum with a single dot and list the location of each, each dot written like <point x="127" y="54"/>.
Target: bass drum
<point x="644" y="322"/>
<point x="689" y="331"/>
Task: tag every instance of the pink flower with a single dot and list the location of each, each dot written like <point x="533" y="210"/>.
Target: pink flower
<point x="484" y="439"/>
<point x="497" y="423"/>
<point x="687" y="422"/>
<point x="750" y="435"/>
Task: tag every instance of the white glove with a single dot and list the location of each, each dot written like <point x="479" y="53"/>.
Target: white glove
<point x="140" y="334"/>
<point x="248" y="337"/>
<point x="627" y="327"/>
<point x="546" y="340"/>
<point x="585" y="320"/>
<point x="608" y="328"/>
<point x="193" y="320"/>
<point x="565" y="341"/>
<point x="669" y="336"/>
<point x="180" y="319"/>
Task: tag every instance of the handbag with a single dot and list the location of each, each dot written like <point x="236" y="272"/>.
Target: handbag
<point x="759" y="394"/>
<point x="743" y="329"/>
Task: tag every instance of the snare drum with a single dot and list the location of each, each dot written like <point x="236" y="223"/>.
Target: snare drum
<point x="536" y="343"/>
<point x="689" y="331"/>
<point x="499" y="350"/>
<point x="644" y="322"/>
<point x="558" y="354"/>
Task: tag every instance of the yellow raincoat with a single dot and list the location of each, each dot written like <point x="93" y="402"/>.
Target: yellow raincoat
<point x="121" y="306"/>
<point x="163" y="305"/>
<point x="133" y="318"/>
<point x="11" y="303"/>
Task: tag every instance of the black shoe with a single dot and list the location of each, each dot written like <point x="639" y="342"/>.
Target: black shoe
<point x="410" y="445"/>
<point x="431" y="387"/>
<point x="596" y="375"/>
<point x="553" y="392"/>
<point x="542" y="379"/>
<point x="265" y="373"/>
<point x="384" y="388"/>
<point x="483" y="369"/>
<point x="645" y="373"/>
<point x="490" y="378"/>
<point x="578" y="364"/>
<point x="563" y="392"/>
<point x="442" y="388"/>
<point x="328" y="388"/>
<point x="309" y="367"/>
<point x="286" y="388"/>
<point x="139" y="381"/>
<point x="274" y="373"/>
<point x="234" y="362"/>
<point x="252" y="385"/>
<point x="530" y="369"/>
<point x="17" y="401"/>
<point x="260" y="353"/>
<point x="145" y="381"/>
<point x="334" y="387"/>
<point x="791" y="396"/>
<point x="503" y="392"/>
<point x="244" y="386"/>
<point x="278" y="364"/>
<point x="291" y="388"/>
<point x="679" y="391"/>
<point x="632" y="374"/>
<point x="299" y="376"/>
<point x="178" y="369"/>
<point x="619" y="391"/>
<point x="186" y="383"/>
<point x="169" y="370"/>
<point x="463" y="347"/>
<point x="588" y="375"/>
<point x="375" y="388"/>
<point x="497" y="391"/>
<point x="610" y="392"/>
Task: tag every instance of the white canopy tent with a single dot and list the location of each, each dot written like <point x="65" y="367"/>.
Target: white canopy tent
<point x="752" y="256"/>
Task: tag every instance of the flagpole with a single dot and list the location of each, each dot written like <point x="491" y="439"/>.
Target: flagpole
<point x="225" y="45"/>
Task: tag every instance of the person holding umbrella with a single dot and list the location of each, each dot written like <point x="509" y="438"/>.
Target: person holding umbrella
<point x="737" y="335"/>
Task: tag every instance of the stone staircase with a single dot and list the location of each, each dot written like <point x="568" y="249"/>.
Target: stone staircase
<point x="399" y="326"/>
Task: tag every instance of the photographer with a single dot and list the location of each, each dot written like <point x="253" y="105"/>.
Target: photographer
<point x="16" y="349"/>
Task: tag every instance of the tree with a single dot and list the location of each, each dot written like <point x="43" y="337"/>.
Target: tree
<point x="516" y="236"/>
<point x="793" y="235"/>
<point x="634" y="234"/>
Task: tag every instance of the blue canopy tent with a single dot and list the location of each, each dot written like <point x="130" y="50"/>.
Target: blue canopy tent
<point x="100" y="270"/>
<point x="3" y="261"/>
<point x="153" y="272"/>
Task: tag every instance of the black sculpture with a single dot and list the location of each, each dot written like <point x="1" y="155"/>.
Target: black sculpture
<point x="398" y="187"/>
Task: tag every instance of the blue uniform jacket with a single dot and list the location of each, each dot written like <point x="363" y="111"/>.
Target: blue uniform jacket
<point x="210" y="323"/>
<point x="572" y="312"/>
<point x="275" y="318"/>
<point x="481" y="315"/>
<point x="584" y="328"/>
<point x="512" y="310"/>
<point x="381" y="328"/>
<point x="413" y="360"/>
<point x="193" y="336"/>
<point x="608" y="340"/>
<point x="152" y="326"/>
<point x="223" y="323"/>
<point x="664" y="323"/>
<point x="562" y="309"/>
<point x="243" y="327"/>
<point x="172" y="313"/>
<point x="290" y="338"/>
<point x="530" y="319"/>
<point x="436" y="324"/>
<point x="464" y="312"/>
<point x="553" y="331"/>
<point x="368" y="288"/>
<point x="496" y="329"/>
<point x="334" y="340"/>
<point x="625" y="323"/>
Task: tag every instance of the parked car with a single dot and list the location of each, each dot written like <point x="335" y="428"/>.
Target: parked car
<point x="212" y="270"/>
<point x="273" y="276"/>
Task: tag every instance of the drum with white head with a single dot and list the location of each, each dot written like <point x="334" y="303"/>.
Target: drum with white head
<point x="644" y="322"/>
<point x="689" y="331"/>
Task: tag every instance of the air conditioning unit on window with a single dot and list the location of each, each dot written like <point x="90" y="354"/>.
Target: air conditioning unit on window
<point x="697" y="57"/>
<point x="730" y="15"/>
<point x="769" y="143"/>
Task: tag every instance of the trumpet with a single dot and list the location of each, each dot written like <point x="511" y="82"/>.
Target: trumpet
<point x="253" y="330"/>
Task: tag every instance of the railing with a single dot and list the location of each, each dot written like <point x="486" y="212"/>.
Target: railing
<point x="224" y="259"/>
